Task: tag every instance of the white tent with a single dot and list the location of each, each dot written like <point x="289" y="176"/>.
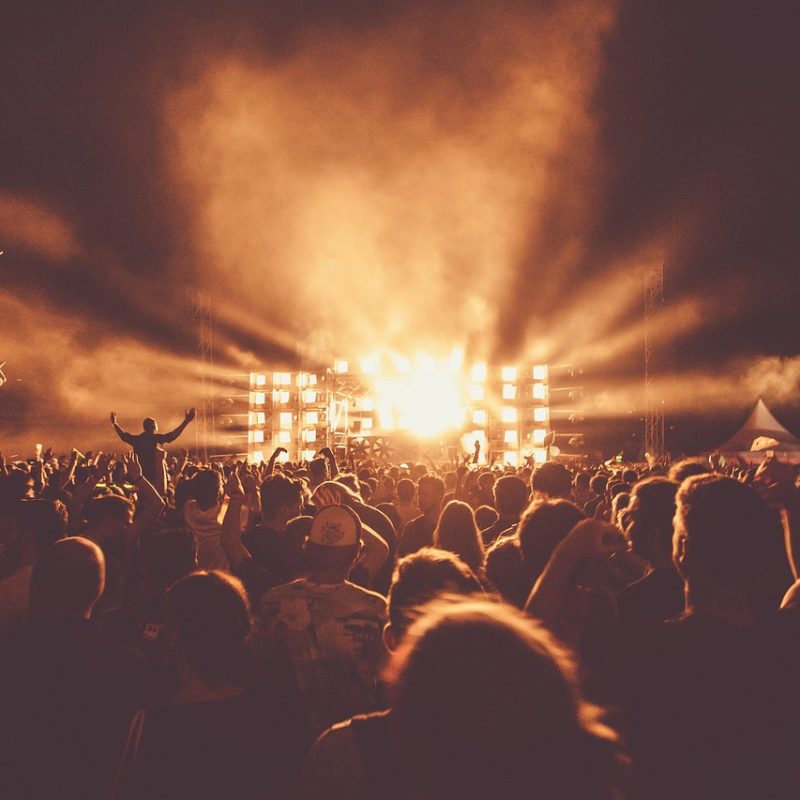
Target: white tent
<point x="762" y="432"/>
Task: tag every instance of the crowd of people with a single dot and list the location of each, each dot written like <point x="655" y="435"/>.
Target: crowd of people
<point x="177" y="629"/>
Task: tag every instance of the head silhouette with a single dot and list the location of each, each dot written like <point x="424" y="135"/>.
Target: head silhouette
<point x="486" y="704"/>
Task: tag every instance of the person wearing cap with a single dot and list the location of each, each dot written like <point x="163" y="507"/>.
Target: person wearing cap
<point x="376" y="559"/>
<point x="321" y="634"/>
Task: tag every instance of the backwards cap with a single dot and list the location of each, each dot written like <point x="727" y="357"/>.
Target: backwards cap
<point x="335" y="526"/>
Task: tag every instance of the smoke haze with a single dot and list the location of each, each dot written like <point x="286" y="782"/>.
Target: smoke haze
<point x="343" y="176"/>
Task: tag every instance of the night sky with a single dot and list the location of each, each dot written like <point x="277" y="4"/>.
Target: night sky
<point x="336" y="174"/>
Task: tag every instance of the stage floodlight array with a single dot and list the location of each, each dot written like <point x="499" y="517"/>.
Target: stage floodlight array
<point x="356" y="403"/>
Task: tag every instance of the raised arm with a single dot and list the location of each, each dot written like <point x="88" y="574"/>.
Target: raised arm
<point x="181" y="462"/>
<point x="273" y="458"/>
<point x="82" y="491"/>
<point x="374" y="552"/>
<point x="126" y="437"/>
<point x="549" y="598"/>
<point x="66" y="478"/>
<point x="235" y="551"/>
<point x="149" y="503"/>
<point x="172" y="435"/>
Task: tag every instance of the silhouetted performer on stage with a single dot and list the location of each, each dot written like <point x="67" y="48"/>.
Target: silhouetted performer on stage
<point x="146" y="446"/>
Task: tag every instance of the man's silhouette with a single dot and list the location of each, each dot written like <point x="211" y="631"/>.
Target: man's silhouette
<point x="146" y="446"/>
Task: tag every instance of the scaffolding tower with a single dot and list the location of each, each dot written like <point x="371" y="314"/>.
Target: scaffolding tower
<point x="653" y="405"/>
<point x="204" y="424"/>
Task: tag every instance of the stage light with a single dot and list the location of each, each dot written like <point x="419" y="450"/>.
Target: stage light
<point x="511" y="457"/>
<point x="400" y="363"/>
<point x="370" y="365"/>
<point x="426" y="401"/>
<point x="386" y="415"/>
<point x="478" y="372"/>
<point x="308" y="455"/>
<point x="540" y="455"/>
<point x="426" y="362"/>
<point x="509" y="391"/>
<point x="309" y="436"/>
<point x="424" y="397"/>
<point x="476" y="392"/>
<point x="257" y="456"/>
<point x="258" y="437"/>
<point x="456" y="359"/>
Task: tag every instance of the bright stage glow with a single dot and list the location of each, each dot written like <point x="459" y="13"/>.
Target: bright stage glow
<point x="425" y="397"/>
<point x="426" y="400"/>
<point x="478" y="372"/>
<point x="370" y="365"/>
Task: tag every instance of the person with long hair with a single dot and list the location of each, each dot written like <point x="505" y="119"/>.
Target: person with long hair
<point x="458" y="532"/>
<point x="485" y="703"/>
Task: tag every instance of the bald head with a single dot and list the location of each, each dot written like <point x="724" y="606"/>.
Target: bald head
<point x="68" y="578"/>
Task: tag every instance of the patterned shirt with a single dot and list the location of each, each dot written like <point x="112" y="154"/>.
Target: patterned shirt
<point x="330" y="638"/>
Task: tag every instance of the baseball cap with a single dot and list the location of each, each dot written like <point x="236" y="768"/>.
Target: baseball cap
<point x="335" y="526"/>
